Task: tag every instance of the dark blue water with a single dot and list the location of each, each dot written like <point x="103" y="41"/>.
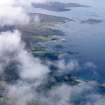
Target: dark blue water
<point x="86" y="35"/>
<point x="88" y="38"/>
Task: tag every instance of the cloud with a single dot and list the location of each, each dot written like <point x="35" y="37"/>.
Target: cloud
<point x="29" y="89"/>
<point x="19" y="94"/>
<point x="58" y="95"/>
<point x="96" y="99"/>
<point x="26" y="93"/>
<point x="69" y="66"/>
<point x="17" y="16"/>
<point x="90" y="65"/>
<point x="12" y="49"/>
<point x="38" y="1"/>
<point x="8" y="46"/>
<point x="30" y="69"/>
<point x="11" y="44"/>
<point x="12" y="12"/>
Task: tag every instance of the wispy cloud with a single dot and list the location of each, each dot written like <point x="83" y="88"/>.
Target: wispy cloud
<point x="29" y="89"/>
<point x="11" y="13"/>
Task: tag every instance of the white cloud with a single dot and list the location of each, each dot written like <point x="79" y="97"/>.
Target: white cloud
<point x="13" y="15"/>
<point x="9" y="41"/>
<point x="60" y="95"/>
<point x="7" y="2"/>
<point x="11" y="12"/>
<point x="12" y="48"/>
<point x="65" y="67"/>
<point x="19" y="94"/>
<point x="38" y="1"/>
<point x="96" y="99"/>
<point x="30" y="68"/>
<point x="90" y="65"/>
